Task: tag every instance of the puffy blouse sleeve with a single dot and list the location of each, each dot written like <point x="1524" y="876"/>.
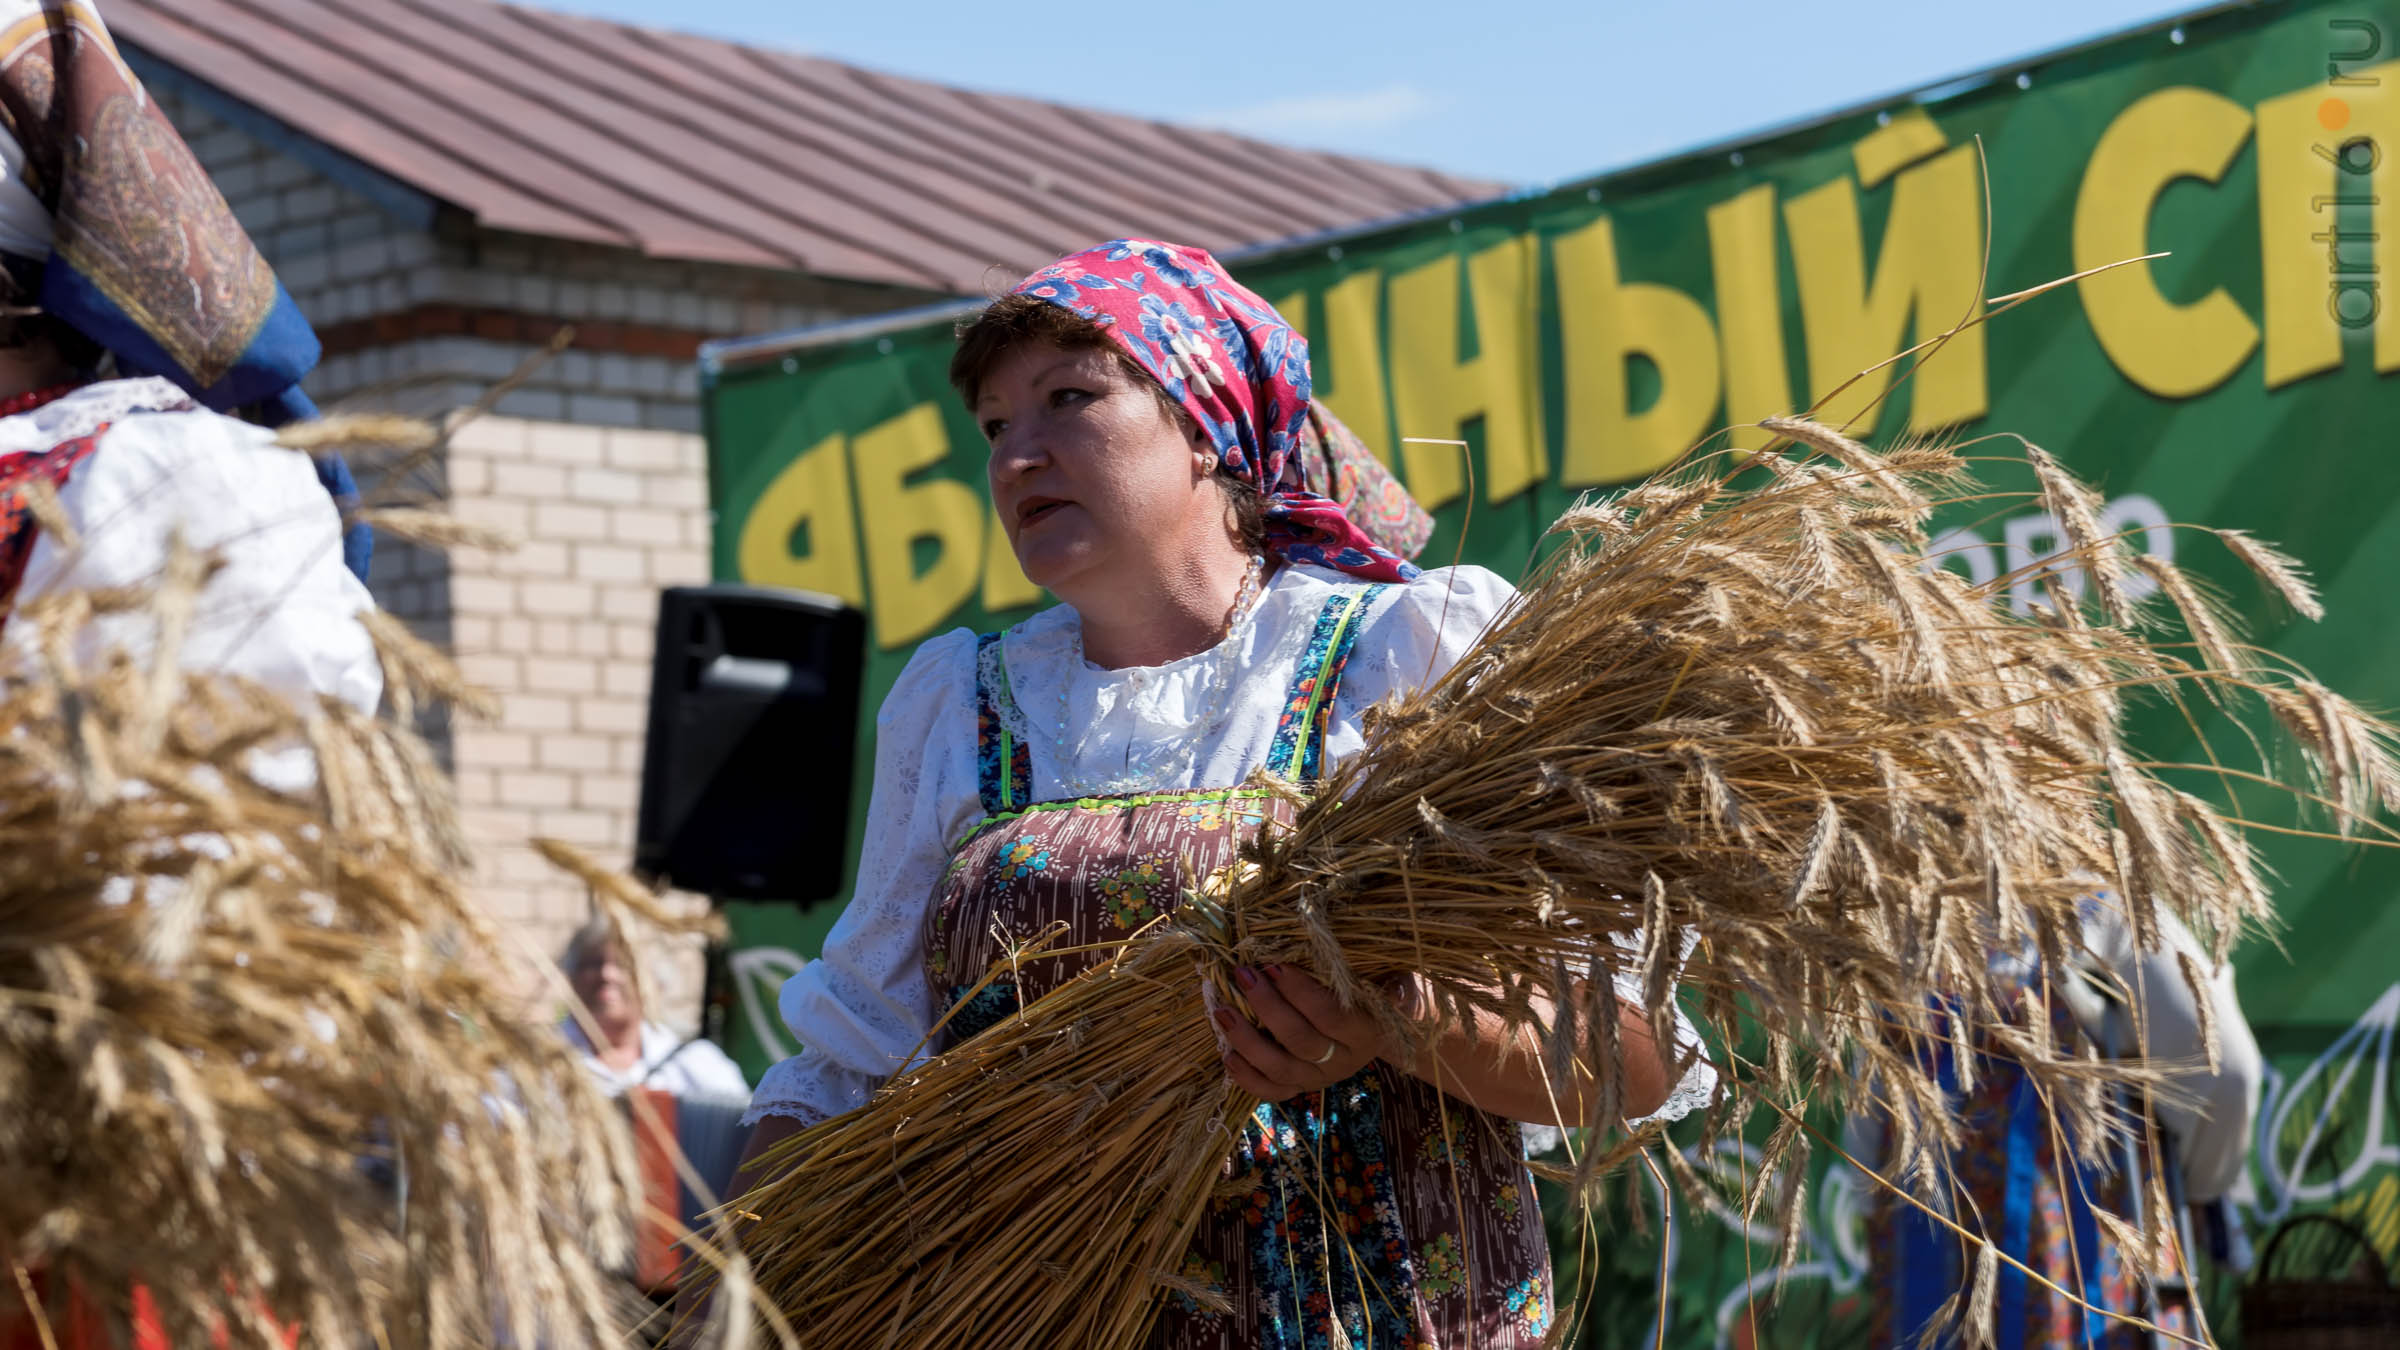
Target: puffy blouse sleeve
<point x="1415" y="635"/>
<point x="861" y="1008"/>
<point x="1412" y="637"/>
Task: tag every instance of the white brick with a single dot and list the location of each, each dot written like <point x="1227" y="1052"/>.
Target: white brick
<point x="493" y="671"/>
<point x="545" y="559"/>
<point x="568" y="520"/>
<point x="559" y="442"/>
<point x="470" y="594"/>
<point x="724" y="317"/>
<point x="536" y="789"/>
<point x="619" y="793"/>
<point x="506" y="825"/>
<point x="504" y="437"/>
<point x="625" y="679"/>
<point x="611" y="301"/>
<point x="613" y="486"/>
<point x="632" y="641"/>
<point x="629" y="604"/>
<point x="607" y="563"/>
<point x="679" y="489"/>
<point x="613" y="715"/>
<point x="470" y="476"/>
<point x="648" y="525"/>
<point x="591" y="641"/>
<point x="535" y="712"/>
<point x="471" y="635"/>
<point x="556" y="637"/>
<point x="574" y="300"/>
<point x="596" y="829"/>
<point x="477" y="787"/>
<point x="538" y="484"/>
<point x="557" y="599"/>
<point x="485" y="748"/>
<point x="574" y="751"/>
<point x="678" y="566"/>
<point x="686" y="310"/>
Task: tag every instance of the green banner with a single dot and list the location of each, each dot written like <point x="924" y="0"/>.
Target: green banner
<point x="1585" y="336"/>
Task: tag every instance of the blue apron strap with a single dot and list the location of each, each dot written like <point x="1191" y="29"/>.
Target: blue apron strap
<point x="1003" y="764"/>
<point x="2027" y="1123"/>
<point x="1298" y="754"/>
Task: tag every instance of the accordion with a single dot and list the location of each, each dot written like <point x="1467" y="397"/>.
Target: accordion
<point x="707" y="1134"/>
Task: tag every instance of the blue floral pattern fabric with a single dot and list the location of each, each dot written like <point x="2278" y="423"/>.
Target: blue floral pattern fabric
<point x="1377" y="1212"/>
<point x="1003" y="764"/>
<point x="1300" y="733"/>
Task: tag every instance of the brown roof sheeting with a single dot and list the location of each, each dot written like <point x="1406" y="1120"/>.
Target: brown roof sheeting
<point x="695" y="148"/>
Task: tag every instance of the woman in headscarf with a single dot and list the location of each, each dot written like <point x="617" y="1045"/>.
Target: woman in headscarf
<point x="1151" y="432"/>
<point x="135" y="317"/>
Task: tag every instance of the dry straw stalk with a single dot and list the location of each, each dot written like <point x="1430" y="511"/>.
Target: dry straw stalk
<point x="263" y="1054"/>
<point x="1729" y="702"/>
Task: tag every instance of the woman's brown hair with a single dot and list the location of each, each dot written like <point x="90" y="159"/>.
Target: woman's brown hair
<point x="1013" y="320"/>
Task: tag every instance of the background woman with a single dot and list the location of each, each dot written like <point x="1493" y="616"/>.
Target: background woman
<point x="1149" y="419"/>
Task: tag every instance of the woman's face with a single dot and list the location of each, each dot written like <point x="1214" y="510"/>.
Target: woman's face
<point x="1089" y="473"/>
<point x="605" y="985"/>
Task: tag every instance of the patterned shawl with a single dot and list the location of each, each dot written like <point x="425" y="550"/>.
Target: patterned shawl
<point x="1241" y="371"/>
<point x="134" y="247"/>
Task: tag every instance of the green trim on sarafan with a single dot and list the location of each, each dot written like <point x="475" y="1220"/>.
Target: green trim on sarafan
<point x="1139" y="799"/>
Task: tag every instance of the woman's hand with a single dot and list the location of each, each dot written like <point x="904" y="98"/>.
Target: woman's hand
<point x="1305" y="1040"/>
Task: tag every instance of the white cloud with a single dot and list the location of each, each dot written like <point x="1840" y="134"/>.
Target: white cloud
<point x="1303" y="116"/>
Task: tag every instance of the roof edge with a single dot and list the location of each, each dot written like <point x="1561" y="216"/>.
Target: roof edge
<point x="743" y="351"/>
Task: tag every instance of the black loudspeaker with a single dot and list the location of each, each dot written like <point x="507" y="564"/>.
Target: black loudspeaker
<point x="753" y="723"/>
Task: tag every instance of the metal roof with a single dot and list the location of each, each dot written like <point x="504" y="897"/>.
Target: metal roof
<point x="694" y="148"/>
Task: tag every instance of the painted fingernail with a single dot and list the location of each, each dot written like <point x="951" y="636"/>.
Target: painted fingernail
<point x="1224" y="1018"/>
<point x="1275" y="971"/>
<point x="1247" y="976"/>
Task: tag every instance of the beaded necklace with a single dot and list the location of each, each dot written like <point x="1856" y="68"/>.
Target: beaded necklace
<point x="35" y="398"/>
<point x="1162" y="761"/>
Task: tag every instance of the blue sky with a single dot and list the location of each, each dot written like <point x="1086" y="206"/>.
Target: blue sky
<point x="1551" y="90"/>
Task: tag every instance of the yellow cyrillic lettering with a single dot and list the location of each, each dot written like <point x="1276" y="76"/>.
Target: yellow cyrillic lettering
<point x="812" y="493"/>
<point x="1434" y="392"/>
<point x="1604" y="322"/>
<point x="1930" y="266"/>
<point x="1741" y="250"/>
<point x="1907" y="138"/>
<point x="897" y="513"/>
<point x="1351" y="361"/>
<point x="2320" y="280"/>
<point x="2173" y="350"/>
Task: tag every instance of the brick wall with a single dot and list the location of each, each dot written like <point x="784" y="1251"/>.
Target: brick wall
<point x="594" y="464"/>
<point x="562" y="628"/>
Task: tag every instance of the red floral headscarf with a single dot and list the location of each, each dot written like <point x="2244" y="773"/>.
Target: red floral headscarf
<point x="1231" y="361"/>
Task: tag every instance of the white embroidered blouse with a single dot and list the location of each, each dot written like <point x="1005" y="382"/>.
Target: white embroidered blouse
<point x="861" y="1009"/>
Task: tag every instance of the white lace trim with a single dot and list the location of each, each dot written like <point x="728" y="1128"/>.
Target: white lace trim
<point x="1113" y="711"/>
<point x="86" y="411"/>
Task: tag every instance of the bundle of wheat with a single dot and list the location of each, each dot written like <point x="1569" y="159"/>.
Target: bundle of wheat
<point x="263" y="1055"/>
<point x="1730" y="703"/>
